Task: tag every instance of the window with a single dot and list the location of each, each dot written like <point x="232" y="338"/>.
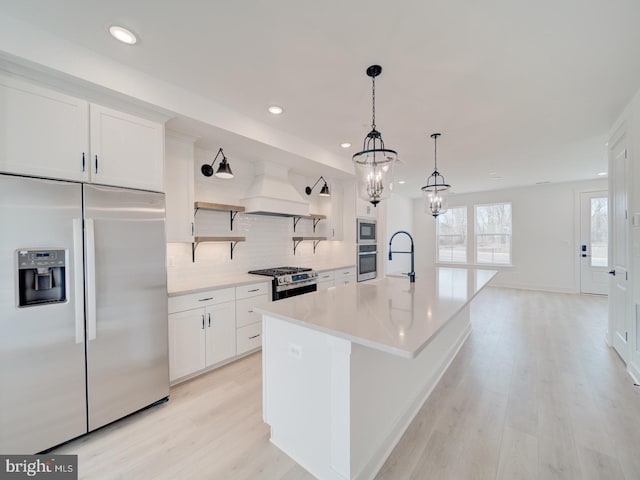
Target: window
<point x="599" y="232"/>
<point x="493" y="234"/>
<point x="451" y="231"/>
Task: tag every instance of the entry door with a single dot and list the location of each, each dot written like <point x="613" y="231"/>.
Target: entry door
<point x="619" y="288"/>
<point x="594" y="242"/>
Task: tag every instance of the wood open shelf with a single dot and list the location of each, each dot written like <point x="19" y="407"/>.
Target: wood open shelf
<point x="219" y="207"/>
<point x="298" y="240"/>
<point x="233" y="241"/>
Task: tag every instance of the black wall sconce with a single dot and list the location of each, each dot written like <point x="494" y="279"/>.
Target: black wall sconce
<point x="324" y="191"/>
<point x="224" y="169"/>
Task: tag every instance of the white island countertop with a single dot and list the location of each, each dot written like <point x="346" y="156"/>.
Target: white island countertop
<point x="388" y="314"/>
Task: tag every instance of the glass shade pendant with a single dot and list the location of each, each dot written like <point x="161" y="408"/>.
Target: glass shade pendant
<point x="374" y="164"/>
<point x="436" y="202"/>
<point x="436" y="187"/>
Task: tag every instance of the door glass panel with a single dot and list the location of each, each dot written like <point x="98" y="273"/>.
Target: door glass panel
<point x="599" y="232"/>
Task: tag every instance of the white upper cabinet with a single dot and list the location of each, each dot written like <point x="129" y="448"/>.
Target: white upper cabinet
<point x="42" y="133"/>
<point x="179" y="187"/>
<point x="48" y="134"/>
<point x="336" y="215"/>
<point x="126" y="150"/>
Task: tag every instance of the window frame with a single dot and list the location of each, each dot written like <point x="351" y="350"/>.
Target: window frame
<point x="476" y="235"/>
<point x="466" y="237"/>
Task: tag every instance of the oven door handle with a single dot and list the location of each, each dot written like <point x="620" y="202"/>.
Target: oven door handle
<point x="282" y="288"/>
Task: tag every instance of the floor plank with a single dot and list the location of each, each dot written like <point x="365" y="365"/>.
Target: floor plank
<point x="535" y="393"/>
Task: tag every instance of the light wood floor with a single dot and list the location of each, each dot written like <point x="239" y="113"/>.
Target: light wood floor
<point x="534" y="393"/>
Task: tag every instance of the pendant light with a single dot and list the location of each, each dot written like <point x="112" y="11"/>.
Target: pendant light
<point x="374" y="164"/>
<point x="224" y="169"/>
<point x="434" y="190"/>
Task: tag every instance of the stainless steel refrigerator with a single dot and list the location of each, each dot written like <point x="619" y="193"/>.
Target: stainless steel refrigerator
<point x="83" y="309"/>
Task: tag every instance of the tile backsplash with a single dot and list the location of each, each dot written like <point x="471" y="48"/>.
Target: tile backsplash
<point x="268" y="244"/>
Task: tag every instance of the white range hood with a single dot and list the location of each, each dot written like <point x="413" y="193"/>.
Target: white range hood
<point x="272" y="194"/>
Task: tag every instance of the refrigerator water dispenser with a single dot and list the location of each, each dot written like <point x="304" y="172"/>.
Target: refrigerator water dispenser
<point x="41" y="277"/>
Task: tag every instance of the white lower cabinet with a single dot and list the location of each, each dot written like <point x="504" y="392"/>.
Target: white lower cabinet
<point x="249" y="323"/>
<point x="211" y="327"/>
<point x="201" y="338"/>
<point x="249" y="337"/>
<point x="202" y="331"/>
<point x="220" y="332"/>
<point x="326" y="279"/>
<point x="345" y="276"/>
<point x="187" y="343"/>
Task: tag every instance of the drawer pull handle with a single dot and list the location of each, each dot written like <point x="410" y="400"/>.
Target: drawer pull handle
<point x="250" y="310"/>
<point x="254" y="290"/>
<point x="255" y="336"/>
<point x="205" y="299"/>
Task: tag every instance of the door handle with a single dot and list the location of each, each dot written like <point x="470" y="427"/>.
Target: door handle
<point x="209" y="319"/>
<point x="90" y="266"/>
<point x="78" y="274"/>
<point x="612" y="272"/>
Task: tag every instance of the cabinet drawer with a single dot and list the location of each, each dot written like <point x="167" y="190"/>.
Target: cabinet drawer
<point x="252" y="290"/>
<point x="345" y="280"/>
<point x="344" y="272"/>
<point x="249" y="337"/>
<point x="325" y="285"/>
<point x="244" y="310"/>
<point x="326" y="276"/>
<point x="202" y="299"/>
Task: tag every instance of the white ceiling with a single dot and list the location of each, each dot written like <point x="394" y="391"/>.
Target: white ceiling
<point x="525" y="91"/>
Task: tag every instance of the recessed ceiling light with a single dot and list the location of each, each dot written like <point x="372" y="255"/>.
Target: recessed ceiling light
<point x="602" y="174"/>
<point x="345" y="145"/>
<point x="401" y="182"/>
<point x="122" y="34"/>
<point x="275" y="109"/>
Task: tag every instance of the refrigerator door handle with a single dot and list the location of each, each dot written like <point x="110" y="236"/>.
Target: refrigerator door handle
<point x="78" y="274"/>
<point x="91" y="278"/>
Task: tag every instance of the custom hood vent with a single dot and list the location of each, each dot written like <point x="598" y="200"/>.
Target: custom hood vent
<point x="272" y="194"/>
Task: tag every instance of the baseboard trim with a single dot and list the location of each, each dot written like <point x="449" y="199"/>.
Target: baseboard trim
<point x="634" y="372"/>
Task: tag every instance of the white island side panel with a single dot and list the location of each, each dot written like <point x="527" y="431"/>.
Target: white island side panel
<point x="306" y="391"/>
<point x="339" y="408"/>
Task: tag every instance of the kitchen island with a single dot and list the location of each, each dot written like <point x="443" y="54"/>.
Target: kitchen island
<point x="346" y="369"/>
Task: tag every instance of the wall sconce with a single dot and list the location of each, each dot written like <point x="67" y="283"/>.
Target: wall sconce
<point x="324" y="191"/>
<point x="224" y="169"/>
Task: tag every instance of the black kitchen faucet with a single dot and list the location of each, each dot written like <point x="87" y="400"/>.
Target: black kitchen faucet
<point x="412" y="273"/>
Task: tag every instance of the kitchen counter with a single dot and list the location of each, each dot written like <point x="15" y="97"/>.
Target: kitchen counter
<point x="345" y="370"/>
<point x="184" y="287"/>
<point x="388" y="314"/>
<point x="202" y="284"/>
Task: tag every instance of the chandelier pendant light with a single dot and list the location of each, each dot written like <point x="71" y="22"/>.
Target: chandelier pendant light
<point x="434" y="190"/>
<point x="374" y="164"/>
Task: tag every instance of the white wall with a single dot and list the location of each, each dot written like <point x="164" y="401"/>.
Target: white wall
<point x="545" y="233"/>
<point x="399" y="216"/>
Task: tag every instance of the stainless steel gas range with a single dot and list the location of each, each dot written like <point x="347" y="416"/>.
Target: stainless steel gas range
<point x="289" y="281"/>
